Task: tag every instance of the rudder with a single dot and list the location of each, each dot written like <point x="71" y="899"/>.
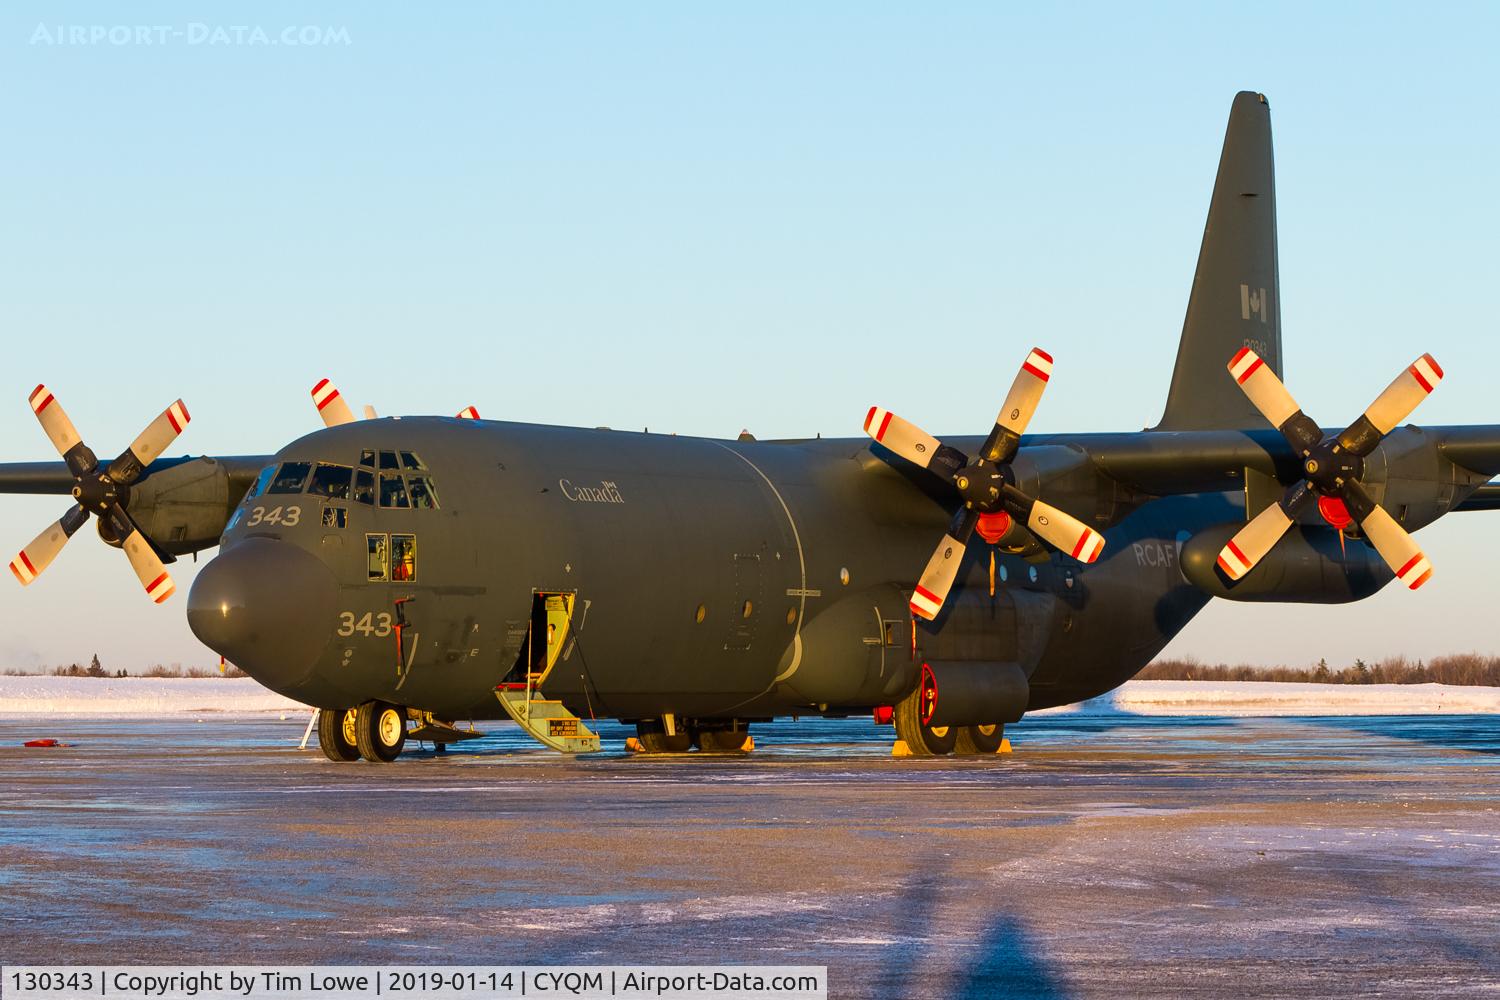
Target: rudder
<point x="1236" y="296"/>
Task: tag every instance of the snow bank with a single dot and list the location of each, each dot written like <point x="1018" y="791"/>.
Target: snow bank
<point x="153" y="696"/>
<point x="132" y="696"/>
<point x="1266" y="698"/>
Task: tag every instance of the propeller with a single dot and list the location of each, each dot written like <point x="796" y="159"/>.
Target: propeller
<point x="1332" y="468"/>
<point x="335" y="411"/>
<point x="985" y="484"/>
<point x="104" y="492"/>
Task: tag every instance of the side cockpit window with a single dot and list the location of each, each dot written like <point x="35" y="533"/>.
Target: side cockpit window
<point x="262" y="481"/>
<point x="423" y="495"/>
<point x="331" y="481"/>
<point x="364" y="487"/>
<point x="290" y="478"/>
<point x="393" y="490"/>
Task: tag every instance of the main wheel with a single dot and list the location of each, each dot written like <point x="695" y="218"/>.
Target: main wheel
<point x="336" y="735"/>
<point x="980" y="739"/>
<point x="379" y="731"/>
<point x="920" y="738"/>
<point x="654" y="738"/>
<point x="722" y="740"/>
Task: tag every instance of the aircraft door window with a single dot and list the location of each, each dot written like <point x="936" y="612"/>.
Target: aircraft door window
<point x="331" y="481"/>
<point x="403" y="558"/>
<point x="393" y="490"/>
<point x="364" y="487"/>
<point x="423" y="495"/>
<point x="290" y="478"/>
<point x="379" y="557"/>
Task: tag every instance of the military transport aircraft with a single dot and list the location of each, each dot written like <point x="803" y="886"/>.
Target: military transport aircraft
<point x="408" y="576"/>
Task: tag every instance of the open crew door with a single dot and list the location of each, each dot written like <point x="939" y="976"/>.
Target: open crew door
<point x="520" y="694"/>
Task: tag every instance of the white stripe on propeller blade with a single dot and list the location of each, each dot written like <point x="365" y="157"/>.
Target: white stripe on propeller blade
<point x="1404" y="394"/>
<point x="331" y="405"/>
<point x="1251" y="543"/>
<point x="901" y="436"/>
<point x="1263" y="388"/>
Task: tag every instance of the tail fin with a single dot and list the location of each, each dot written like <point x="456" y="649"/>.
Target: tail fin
<point x="1236" y="299"/>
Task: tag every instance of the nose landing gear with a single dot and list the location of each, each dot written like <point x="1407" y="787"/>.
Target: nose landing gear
<point x="375" y="731"/>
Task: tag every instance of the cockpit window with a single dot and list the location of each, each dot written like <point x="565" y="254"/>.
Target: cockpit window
<point x="423" y="496"/>
<point x="331" y="481"/>
<point x="393" y="490"/>
<point x="290" y="477"/>
<point x="262" y="481"/>
<point x="409" y="460"/>
<point x="388" y="460"/>
<point x="364" y="487"/>
<point x="367" y="458"/>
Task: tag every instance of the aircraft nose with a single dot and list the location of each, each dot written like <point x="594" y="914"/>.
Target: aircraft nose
<point x="267" y="606"/>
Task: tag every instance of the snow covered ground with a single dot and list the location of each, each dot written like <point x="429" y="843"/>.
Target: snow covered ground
<point x="150" y="696"/>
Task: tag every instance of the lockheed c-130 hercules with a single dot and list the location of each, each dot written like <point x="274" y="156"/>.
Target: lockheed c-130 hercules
<point x="404" y="574"/>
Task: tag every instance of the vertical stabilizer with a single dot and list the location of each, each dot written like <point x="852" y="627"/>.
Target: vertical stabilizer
<point x="1236" y="299"/>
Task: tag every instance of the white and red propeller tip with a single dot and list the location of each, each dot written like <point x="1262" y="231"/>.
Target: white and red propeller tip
<point x="1026" y="392"/>
<point x="160" y="433"/>
<point x="36" y="557"/>
<point x="1404" y="394"/>
<point x="468" y="413"/>
<point x="54" y="421"/>
<point x="331" y="405"/>
<point x="1251" y="543"/>
<point x="1397" y="548"/>
<point x="1262" y="386"/>
<point x="1064" y="531"/>
<point x="901" y="436"/>
<point x="148" y="568"/>
<point x="937" y="579"/>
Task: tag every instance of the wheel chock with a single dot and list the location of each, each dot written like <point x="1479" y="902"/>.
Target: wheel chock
<point x="748" y="745"/>
<point x="633" y="745"/>
<point x="1004" y="745"/>
<point x="900" y="749"/>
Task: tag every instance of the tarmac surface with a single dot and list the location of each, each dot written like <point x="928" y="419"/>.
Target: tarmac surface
<point x="1107" y="856"/>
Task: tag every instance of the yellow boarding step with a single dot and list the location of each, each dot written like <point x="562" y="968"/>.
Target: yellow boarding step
<point x="549" y="722"/>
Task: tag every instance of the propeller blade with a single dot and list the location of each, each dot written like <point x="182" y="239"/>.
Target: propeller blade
<point x="145" y="449"/>
<point x="369" y="413"/>
<point x="1020" y="404"/>
<point x="1398" y="400"/>
<point x="331" y="405"/>
<point x="60" y="430"/>
<point x="36" y="557"/>
<point x="1272" y="399"/>
<point x="1399" y="550"/>
<point x="942" y="569"/>
<point x="910" y="441"/>
<point x="148" y="568"/>
<point x="468" y="413"/>
<point x="1064" y="531"/>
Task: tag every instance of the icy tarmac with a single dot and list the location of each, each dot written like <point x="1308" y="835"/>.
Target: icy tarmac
<point x="1110" y="855"/>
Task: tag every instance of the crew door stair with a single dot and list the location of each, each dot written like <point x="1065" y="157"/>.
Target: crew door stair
<point x="547" y="721"/>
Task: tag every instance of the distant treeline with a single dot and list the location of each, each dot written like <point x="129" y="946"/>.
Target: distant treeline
<point x="97" y="669"/>
<point x="1468" y="669"/>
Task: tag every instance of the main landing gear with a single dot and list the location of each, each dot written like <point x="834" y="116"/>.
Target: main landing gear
<point x="708" y="737"/>
<point x="924" y="740"/>
<point x="375" y="731"/>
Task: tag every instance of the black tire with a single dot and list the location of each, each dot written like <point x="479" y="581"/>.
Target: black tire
<point x="380" y="731"/>
<point x="722" y="740"/>
<point x="654" y="738"/>
<point x="334" y="735"/>
<point x="980" y="739"/>
<point x="440" y="748"/>
<point x="922" y="740"/>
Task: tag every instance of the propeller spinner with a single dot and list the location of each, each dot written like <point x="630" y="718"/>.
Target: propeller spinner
<point x="104" y="492"/>
<point x="985" y="484"/>
<point x="1332" y="468"/>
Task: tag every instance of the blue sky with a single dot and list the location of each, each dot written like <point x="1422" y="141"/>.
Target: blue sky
<point x="703" y="217"/>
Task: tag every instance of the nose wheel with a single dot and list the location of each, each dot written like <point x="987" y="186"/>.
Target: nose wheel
<point x="379" y="731"/>
<point x="336" y="735"/>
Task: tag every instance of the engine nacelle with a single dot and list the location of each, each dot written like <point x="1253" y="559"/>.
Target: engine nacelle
<point x="973" y="692"/>
<point x="183" y="507"/>
<point x="1310" y="565"/>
